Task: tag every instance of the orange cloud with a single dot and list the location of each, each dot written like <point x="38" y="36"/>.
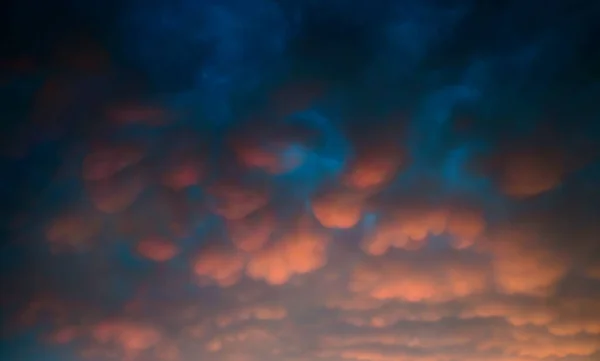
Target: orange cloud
<point x="132" y="337"/>
<point x="412" y="339"/>
<point x="250" y="338"/>
<point x="374" y="165"/>
<point x="410" y="226"/>
<point x="526" y="342"/>
<point x="250" y="234"/>
<point x="337" y="209"/>
<point x="235" y="201"/>
<point x="298" y="252"/>
<point x="465" y="225"/>
<point x="407" y="229"/>
<point x="105" y="162"/>
<point x="530" y="171"/>
<point x="516" y="312"/>
<point x="396" y="313"/>
<point x="157" y="249"/>
<point x="439" y="281"/>
<point x="374" y="354"/>
<point x="352" y="302"/>
<point x="522" y="266"/>
<point x="222" y="267"/>
<point x="572" y="327"/>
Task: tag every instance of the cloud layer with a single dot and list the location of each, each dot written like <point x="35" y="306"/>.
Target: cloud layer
<point x="238" y="181"/>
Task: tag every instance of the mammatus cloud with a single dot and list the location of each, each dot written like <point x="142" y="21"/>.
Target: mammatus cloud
<point x="440" y="281"/>
<point x="157" y="249"/>
<point x="298" y="252"/>
<point x="223" y="267"/>
<point x="409" y="227"/>
<point x="241" y="181"/>
<point x="533" y="274"/>
<point x="529" y="172"/>
<point x="338" y="209"/>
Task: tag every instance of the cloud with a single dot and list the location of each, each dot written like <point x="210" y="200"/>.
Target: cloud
<point x="258" y="180"/>
<point x="184" y="172"/>
<point x="250" y="234"/>
<point x="338" y="209"/>
<point x="106" y="162"/>
<point x="517" y="312"/>
<point x="257" y="312"/>
<point x="234" y="200"/>
<point x="593" y="271"/>
<point x="374" y="164"/>
<point x="440" y="281"/>
<point x="574" y="327"/>
<point x="353" y="302"/>
<point x="157" y="249"/>
<point x="64" y="335"/>
<point x="530" y="172"/>
<point x="536" y="345"/>
<point x="131" y="336"/>
<point x="298" y="252"/>
<point x="255" y="337"/>
<point x="73" y="230"/>
<point x="221" y="266"/>
<point x="523" y="266"/>
<point x="275" y="149"/>
<point x="410" y="226"/>
<point x="115" y="195"/>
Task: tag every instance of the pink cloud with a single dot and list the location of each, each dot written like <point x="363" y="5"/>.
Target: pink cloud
<point x="298" y="252"/>
<point x="337" y="209"/>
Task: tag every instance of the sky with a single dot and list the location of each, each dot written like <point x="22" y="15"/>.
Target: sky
<point x="300" y="180"/>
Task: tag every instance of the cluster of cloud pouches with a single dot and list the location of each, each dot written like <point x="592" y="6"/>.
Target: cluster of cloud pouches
<point x="425" y="191"/>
